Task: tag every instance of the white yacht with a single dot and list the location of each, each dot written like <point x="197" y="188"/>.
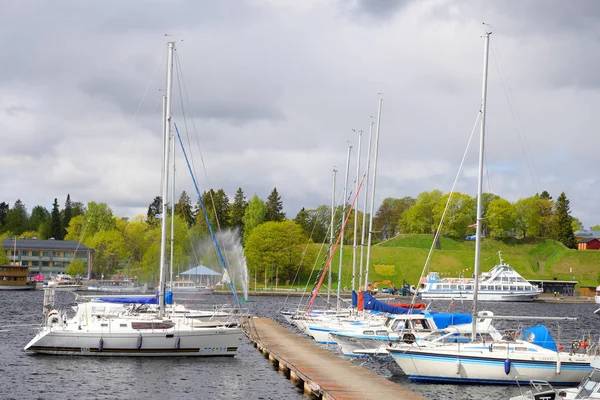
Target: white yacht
<point x="597" y="297"/>
<point x="501" y="283"/>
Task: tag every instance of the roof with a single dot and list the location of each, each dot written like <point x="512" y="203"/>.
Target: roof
<point x="587" y="240"/>
<point x="588" y="234"/>
<point x="35" y="244"/>
<point x="200" y="270"/>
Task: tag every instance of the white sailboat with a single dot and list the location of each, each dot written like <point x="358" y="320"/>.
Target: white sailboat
<point x="478" y="358"/>
<point x="119" y="329"/>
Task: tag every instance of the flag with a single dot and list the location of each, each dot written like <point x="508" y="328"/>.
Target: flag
<point x="473" y="225"/>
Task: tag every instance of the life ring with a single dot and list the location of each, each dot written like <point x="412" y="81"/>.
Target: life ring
<point x="53" y="318"/>
<point x="408" y="338"/>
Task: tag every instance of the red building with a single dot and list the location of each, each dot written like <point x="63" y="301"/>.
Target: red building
<point x="588" y="244"/>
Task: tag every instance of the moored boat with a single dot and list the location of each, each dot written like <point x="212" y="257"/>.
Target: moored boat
<point x="15" y="277"/>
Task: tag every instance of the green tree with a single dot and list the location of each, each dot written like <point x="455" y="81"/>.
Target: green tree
<point x="17" y="218"/>
<point x="459" y="215"/>
<point x="303" y="220"/>
<point x="56" y="227"/>
<point x="3" y="257"/>
<point x="238" y="208"/>
<point x="546" y="209"/>
<point x="275" y="249"/>
<point x="419" y="218"/>
<point x="75" y="229"/>
<point x="67" y="215"/>
<point x="501" y="216"/>
<point x="39" y="217"/>
<point x="3" y="210"/>
<point x="154" y="209"/>
<point x="76" y="267"/>
<point x="183" y="208"/>
<point x="563" y="229"/>
<point x="254" y="216"/>
<point x="388" y="216"/>
<point x="220" y="202"/>
<point x="529" y="220"/>
<point x="109" y="248"/>
<point x="596" y="228"/>
<point x="274" y="207"/>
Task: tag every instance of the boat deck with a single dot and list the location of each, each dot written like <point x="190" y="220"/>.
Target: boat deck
<point x="320" y="372"/>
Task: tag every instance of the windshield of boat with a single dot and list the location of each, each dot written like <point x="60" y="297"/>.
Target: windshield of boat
<point x="589" y="384"/>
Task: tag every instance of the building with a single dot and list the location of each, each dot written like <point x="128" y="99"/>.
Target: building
<point x="47" y="257"/>
<point x="587" y="291"/>
<point x="588" y="244"/>
<point x="566" y="288"/>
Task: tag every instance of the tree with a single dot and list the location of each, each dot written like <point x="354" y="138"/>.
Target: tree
<point x="56" y="227"/>
<point x="76" y="267"/>
<point x="596" y="228"/>
<point x="303" y="220"/>
<point x="460" y="214"/>
<point x="545" y="195"/>
<point x="274" y="207"/>
<point x="220" y="202"/>
<point x="40" y="217"/>
<point x="529" y="220"/>
<point x="183" y="208"/>
<point x="3" y="210"/>
<point x="67" y="215"/>
<point x="238" y="208"/>
<point x="154" y="209"/>
<point x="3" y="257"/>
<point x="563" y="229"/>
<point x="419" y="218"/>
<point x="546" y="209"/>
<point x="254" y="216"/>
<point x="275" y="249"/>
<point x="388" y="216"/>
<point x="501" y="216"/>
<point x="17" y="219"/>
<point x="109" y="248"/>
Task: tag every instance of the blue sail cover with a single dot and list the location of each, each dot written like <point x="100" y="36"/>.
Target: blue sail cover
<point x="354" y="299"/>
<point x="138" y="300"/>
<point x="371" y="303"/>
<point x="540" y="335"/>
<point x="442" y="320"/>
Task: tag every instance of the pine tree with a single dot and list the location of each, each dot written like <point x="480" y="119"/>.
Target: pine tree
<point x="67" y="215"/>
<point x="183" y="208"/>
<point x="274" y="207"/>
<point x="563" y="228"/>
<point x="238" y="208"/>
<point x="154" y="209"/>
<point x="303" y="220"/>
<point x="3" y="210"/>
<point x="56" y="227"/>
<point x="17" y="218"/>
<point x="254" y="215"/>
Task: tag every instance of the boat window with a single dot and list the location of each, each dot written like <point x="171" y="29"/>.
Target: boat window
<point x="513" y="288"/>
<point x="103" y="324"/>
<point x="469" y="287"/>
<point x="123" y="325"/>
<point x="382" y="333"/>
<point x="368" y="332"/>
<point x="521" y="349"/>
<point x="499" y="348"/>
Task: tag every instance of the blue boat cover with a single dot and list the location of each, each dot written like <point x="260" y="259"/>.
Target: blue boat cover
<point x="138" y="300"/>
<point x="354" y="299"/>
<point x="371" y="303"/>
<point x="442" y="320"/>
<point x="541" y="336"/>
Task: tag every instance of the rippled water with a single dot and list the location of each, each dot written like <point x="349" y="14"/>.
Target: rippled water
<point x="246" y="376"/>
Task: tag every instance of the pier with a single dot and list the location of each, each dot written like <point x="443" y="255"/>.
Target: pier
<point x="320" y="373"/>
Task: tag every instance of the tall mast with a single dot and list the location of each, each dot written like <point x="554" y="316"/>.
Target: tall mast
<point x="163" y="221"/>
<point x="172" y="213"/>
<point x="331" y="235"/>
<point x="373" y="191"/>
<point x="364" y="222"/>
<point x="339" y="279"/>
<point x="356" y="212"/>
<point x="480" y="184"/>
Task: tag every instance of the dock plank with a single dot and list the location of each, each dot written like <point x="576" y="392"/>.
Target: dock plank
<point x="328" y="375"/>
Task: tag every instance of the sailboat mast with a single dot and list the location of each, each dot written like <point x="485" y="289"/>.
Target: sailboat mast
<point x="165" y="185"/>
<point x="331" y="235"/>
<point x="354" y="244"/>
<point x="172" y="246"/>
<point x="365" y="198"/>
<point x="373" y="192"/>
<point x="342" y="229"/>
<point x="480" y="184"/>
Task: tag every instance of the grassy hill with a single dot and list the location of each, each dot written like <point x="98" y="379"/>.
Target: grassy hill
<point x="403" y="258"/>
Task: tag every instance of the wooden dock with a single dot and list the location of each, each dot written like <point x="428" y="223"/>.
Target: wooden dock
<point x="319" y="372"/>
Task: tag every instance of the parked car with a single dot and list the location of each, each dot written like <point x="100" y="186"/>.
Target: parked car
<point x="470" y="237"/>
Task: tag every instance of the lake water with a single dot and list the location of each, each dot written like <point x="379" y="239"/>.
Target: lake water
<point x="246" y="376"/>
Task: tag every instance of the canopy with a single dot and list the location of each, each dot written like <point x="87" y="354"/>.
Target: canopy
<point x="200" y="270"/>
<point x="541" y="336"/>
<point x="137" y="299"/>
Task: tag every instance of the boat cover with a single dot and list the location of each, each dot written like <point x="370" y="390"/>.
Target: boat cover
<point x="540" y="335"/>
<point x="371" y="303"/>
<point x="443" y="320"/>
<point x="138" y="300"/>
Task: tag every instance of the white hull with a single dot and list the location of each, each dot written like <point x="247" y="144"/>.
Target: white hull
<point x="481" y="296"/>
<point x="16" y="287"/>
<point x="597" y="298"/>
<point x="136" y="289"/>
<point x="441" y="365"/>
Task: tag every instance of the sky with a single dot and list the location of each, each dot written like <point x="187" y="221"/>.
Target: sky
<point x="271" y="93"/>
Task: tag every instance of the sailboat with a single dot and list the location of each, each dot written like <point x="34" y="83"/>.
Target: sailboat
<point x="100" y="329"/>
<point x="450" y="356"/>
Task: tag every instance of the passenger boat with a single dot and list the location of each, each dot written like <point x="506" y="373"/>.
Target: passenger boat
<point x="187" y="286"/>
<point x="501" y="283"/>
<point x="116" y="285"/>
<point x="64" y="283"/>
<point x="14" y="277"/>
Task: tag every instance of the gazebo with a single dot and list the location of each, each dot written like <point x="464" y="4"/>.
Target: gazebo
<point x="202" y="275"/>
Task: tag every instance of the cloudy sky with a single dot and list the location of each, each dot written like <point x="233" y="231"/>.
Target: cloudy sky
<point x="274" y="91"/>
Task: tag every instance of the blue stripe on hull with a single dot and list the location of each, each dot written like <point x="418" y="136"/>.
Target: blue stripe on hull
<point x="420" y="378"/>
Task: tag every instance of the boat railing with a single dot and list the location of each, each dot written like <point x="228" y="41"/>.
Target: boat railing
<point x="537" y="389"/>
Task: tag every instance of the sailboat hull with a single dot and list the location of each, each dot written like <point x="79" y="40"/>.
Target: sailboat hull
<point x="490" y="367"/>
<point x="203" y="342"/>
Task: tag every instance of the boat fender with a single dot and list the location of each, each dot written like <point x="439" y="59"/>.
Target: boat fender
<point x="457" y="366"/>
<point x="507" y="366"/>
<point x="53" y="319"/>
<point x="177" y="343"/>
<point x="558" y="366"/>
<point x="139" y="341"/>
<point x="101" y="344"/>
